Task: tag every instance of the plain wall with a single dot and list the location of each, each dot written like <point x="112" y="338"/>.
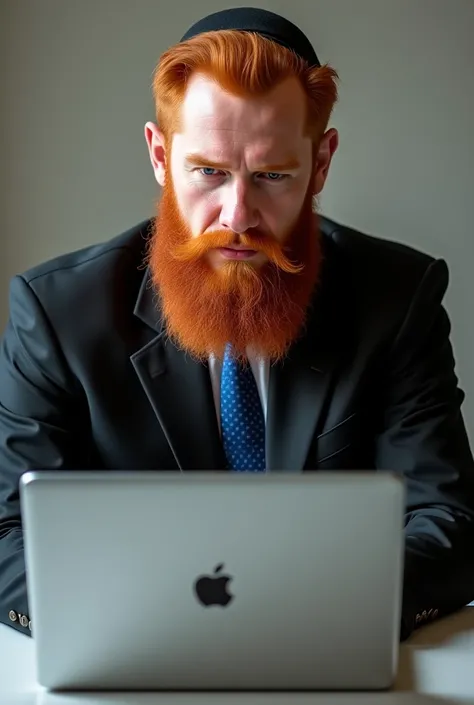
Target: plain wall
<point x="75" y="95"/>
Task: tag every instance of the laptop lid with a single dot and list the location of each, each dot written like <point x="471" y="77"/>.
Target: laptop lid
<point x="214" y="581"/>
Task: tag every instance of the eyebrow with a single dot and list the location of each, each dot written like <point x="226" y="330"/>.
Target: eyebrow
<point x="200" y="160"/>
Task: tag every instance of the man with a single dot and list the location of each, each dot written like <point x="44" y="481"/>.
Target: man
<point x="238" y="300"/>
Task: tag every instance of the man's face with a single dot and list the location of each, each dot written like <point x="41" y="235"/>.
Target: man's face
<point x="235" y="252"/>
<point x="241" y="164"/>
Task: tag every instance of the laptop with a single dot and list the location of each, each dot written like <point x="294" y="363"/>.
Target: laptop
<point x="214" y="581"/>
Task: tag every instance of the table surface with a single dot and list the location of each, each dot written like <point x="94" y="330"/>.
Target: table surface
<point x="436" y="668"/>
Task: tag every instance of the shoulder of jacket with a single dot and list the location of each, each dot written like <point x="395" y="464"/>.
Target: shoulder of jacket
<point x="378" y="279"/>
<point x="129" y="244"/>
<point x="366" y="250"/>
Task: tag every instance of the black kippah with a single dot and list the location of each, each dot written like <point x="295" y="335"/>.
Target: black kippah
<point x="264" y="22"/>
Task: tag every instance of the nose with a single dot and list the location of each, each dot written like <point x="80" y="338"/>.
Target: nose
<point x="238" y="213"/>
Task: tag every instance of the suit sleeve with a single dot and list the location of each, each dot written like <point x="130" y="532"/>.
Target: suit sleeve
<point x="39" y="410"/>
<point x="423" y="437"/>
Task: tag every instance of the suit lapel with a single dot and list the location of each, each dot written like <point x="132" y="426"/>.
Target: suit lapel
<point x="298" y="392"/>
<point x="179" y="390"/>
<point x="300" y="387"/>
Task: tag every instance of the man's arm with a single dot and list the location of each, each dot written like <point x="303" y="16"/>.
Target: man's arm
<point x="39" y="427"/>
<point x="424" y="438"/>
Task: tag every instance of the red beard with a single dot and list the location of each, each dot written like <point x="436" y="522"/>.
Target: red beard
<point x="206" y="308"/>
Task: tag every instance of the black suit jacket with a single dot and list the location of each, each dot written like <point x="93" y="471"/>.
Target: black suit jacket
<point x="88" y="379"/>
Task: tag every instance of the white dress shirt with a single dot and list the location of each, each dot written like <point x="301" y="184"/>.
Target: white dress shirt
<point x="261" y="371"/>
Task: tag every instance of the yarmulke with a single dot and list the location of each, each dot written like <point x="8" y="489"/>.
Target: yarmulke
<point x="264" y="22"/>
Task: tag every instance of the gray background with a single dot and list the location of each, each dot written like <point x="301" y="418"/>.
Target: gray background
<point x="75" y="95"/>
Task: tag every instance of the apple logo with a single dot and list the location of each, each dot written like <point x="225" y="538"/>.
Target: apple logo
<point x="213" y="589"/>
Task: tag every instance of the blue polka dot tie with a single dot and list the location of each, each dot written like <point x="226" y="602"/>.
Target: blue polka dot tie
<point x="242" y="421"/>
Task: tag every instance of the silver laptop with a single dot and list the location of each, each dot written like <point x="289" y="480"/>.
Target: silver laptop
<point x="214" y="581"/>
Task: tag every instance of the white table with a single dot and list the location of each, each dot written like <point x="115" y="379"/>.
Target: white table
<point x="436" y="668"/>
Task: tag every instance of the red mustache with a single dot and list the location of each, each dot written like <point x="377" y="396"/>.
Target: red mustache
<point x="196" y="247"/>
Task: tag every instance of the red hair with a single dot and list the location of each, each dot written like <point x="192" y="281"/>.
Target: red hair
<point x="245" y="64"/>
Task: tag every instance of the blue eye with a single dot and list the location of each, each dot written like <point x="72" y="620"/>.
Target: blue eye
<point x="208" y="171"/>
<point x="273" y="176"/>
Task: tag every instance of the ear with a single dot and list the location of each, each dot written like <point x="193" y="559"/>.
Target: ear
<point x="326" y="150"/>
<point x="156" y="148"/>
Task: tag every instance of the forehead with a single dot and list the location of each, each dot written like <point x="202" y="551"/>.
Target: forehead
<point x="222" y="123"/>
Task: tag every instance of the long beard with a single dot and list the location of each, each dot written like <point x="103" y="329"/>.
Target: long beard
<point x="205" y="308"/>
